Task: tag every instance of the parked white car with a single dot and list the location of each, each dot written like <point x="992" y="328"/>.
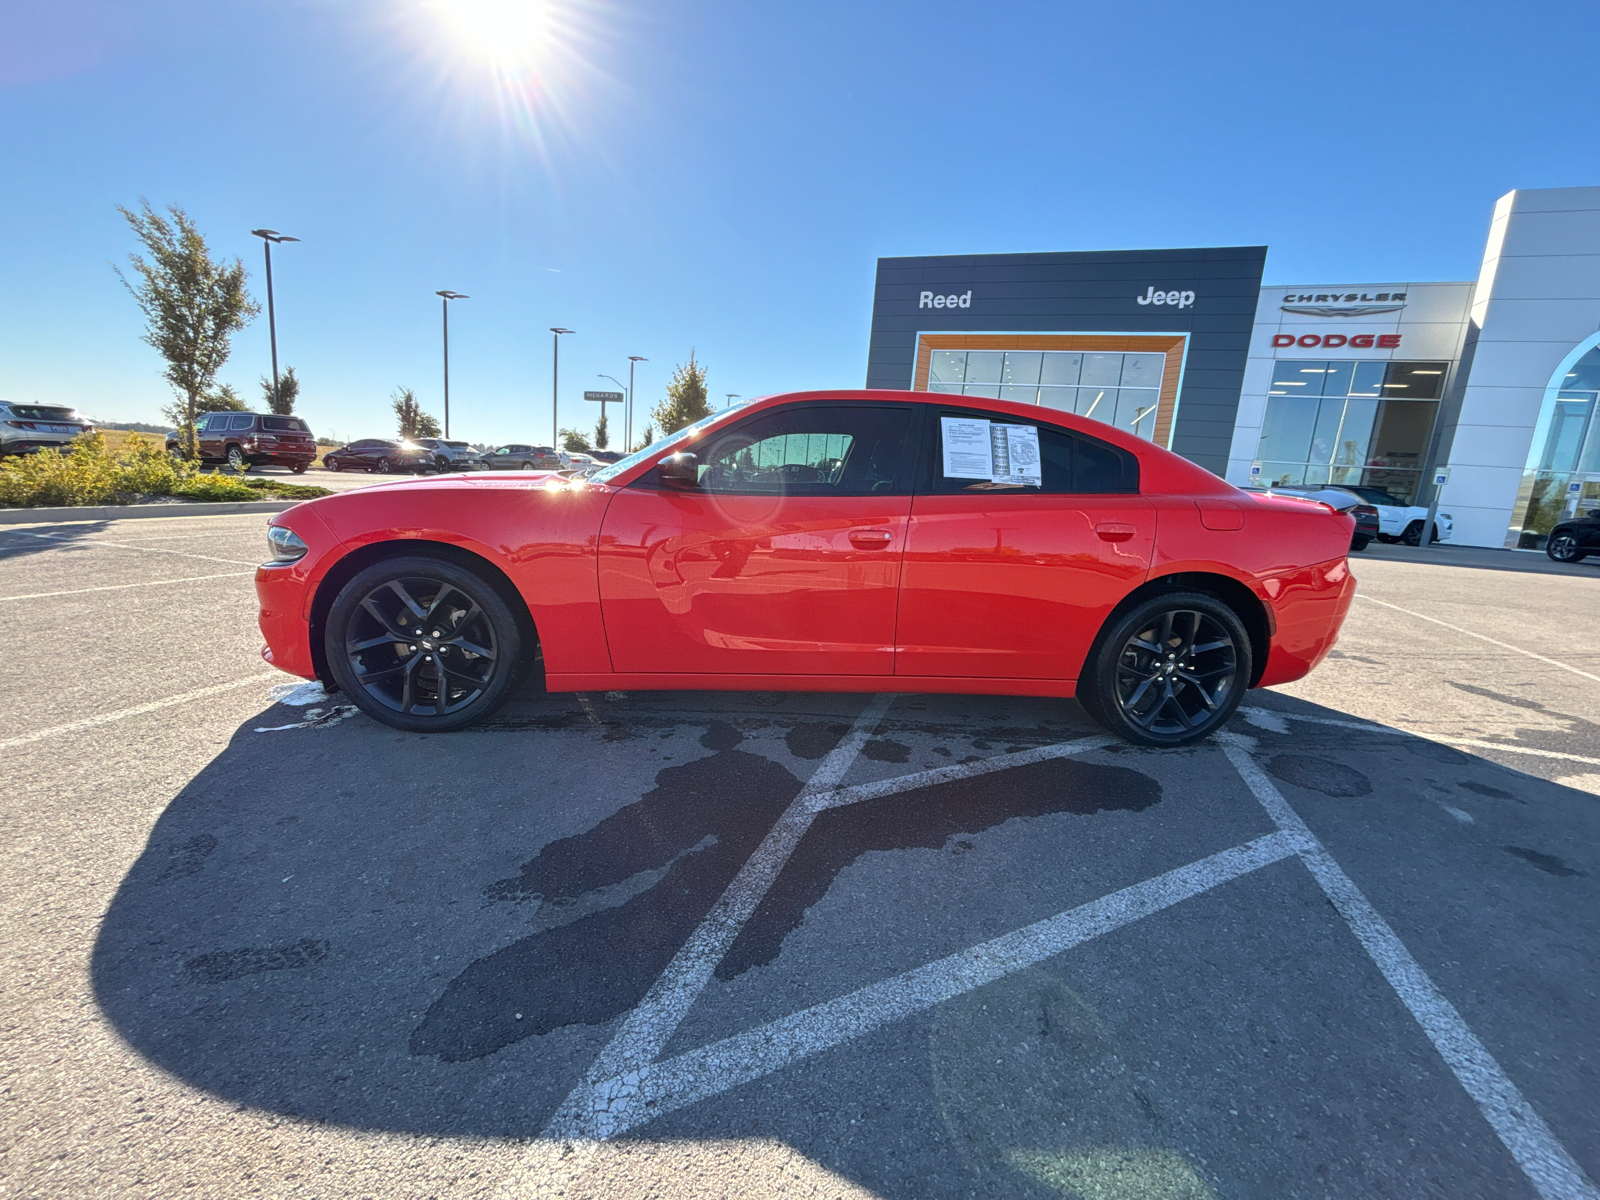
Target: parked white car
<point x="1399" y="521"/>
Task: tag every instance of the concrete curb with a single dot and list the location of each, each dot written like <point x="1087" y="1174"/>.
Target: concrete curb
<point x="122" y="512"/>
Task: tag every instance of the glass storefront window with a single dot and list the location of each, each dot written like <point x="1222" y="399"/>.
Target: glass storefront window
<point x="1350" y="422"/>
<point x="1565" y="455"/>
<point x="1568" y="424"/>
<point x="1119" y="389"/>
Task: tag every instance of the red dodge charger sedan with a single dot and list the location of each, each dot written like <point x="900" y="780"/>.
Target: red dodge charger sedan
<point x="821" y="541"/>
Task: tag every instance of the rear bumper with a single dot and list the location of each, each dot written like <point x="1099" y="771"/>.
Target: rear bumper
<point x="1309" y="606"/>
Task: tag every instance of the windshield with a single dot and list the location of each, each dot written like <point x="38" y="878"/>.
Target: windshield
<point x="607" y="474"/>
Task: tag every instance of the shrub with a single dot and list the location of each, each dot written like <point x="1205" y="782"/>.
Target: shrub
<point x="91" y="473"/>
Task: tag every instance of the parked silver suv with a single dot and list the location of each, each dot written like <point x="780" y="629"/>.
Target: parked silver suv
<point x="452" y="456"/>
<point x="28" y="427"/>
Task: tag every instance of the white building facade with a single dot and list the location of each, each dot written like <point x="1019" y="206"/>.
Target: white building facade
<point x="1376" y="384"/>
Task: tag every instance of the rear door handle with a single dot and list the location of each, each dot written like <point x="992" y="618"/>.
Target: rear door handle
<point x="871" y="539"/>
<point x="1114" y="531"/>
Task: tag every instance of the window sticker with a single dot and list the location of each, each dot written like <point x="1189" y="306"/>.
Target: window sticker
<point x="991" y="451"/>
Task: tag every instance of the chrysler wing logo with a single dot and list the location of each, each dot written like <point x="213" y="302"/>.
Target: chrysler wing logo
<point x="1350" y="304"/>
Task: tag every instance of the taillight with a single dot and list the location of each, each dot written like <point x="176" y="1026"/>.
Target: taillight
<point x="1365" y="510"/>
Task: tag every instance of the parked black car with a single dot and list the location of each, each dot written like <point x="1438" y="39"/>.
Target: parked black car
<point x="382" y="455"/>
<point x="1574" y="540"/>
<point x="246" y="438"/>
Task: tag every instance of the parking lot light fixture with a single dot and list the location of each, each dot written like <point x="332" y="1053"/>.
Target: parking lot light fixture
<point x="268" y="237"/>
<point x="555" y="385"/>
<point x="445" y="297"/>
<point x="627" y="440"/>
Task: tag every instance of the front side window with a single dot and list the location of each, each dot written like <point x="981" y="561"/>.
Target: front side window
<point x="811" y="450"/>
<point x="976" y="451"/>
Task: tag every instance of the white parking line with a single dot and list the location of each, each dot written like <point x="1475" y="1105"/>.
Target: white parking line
<point x="116" y="587"/>
<point x="649" y="1092"/>
<point x="53" y="537"/>
<point x="1541" y="1156"/>
<point x="1440" y="738"/>
<point x="1000" y="762"/>
<point x="1481" y="637"/>
<point x="138" y="710"/>
<point x="650" y="1026"/>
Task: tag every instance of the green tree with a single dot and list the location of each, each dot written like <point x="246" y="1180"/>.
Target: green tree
<point x="648" y="436"/>
<point x="686" y="400"/>
<point x="414" y="423"/>
<point x="574" y="442"/>
<point x="218" y="399"/>
<point x="282" y="400"/>
<point x="602" y="431"/>
<point x="192" y="304"/>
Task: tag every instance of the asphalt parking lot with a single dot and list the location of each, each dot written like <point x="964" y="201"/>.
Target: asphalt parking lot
<point x="707" y="944"/>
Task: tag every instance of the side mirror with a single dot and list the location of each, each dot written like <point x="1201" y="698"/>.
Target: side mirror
<point x="680" y="470"/>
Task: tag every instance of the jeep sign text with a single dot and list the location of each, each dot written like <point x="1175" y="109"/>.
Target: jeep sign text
<point x="929" y="300"/>
<point x="1180" y="299"/>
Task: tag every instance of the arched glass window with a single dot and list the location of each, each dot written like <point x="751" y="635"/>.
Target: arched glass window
<point x="1563" y="472"/>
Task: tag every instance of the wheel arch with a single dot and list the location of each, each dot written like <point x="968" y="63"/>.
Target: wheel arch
<point x="359" y="559"/>
<point x="1251" y="610"/>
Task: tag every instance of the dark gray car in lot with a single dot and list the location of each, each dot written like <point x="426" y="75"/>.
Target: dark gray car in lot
<point x="519" y="456"/>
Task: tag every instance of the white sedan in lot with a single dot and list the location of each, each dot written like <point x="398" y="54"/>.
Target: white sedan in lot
<point x="1399" y="521"/>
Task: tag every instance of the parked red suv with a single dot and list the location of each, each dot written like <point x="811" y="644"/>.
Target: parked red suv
<point x="240" y="438"/>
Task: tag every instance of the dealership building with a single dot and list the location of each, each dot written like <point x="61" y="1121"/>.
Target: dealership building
<point x="1367" y="384"/>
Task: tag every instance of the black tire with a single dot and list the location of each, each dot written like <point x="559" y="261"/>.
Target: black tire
<point x="236" y="460"/>
<point x="393" y="673"/>
<point x="1359" y="543"/>
<point x="299" y="468"/>
<point x="441" y="464"/>
<point x="383" y="466"/>
<point x="331" y="463"/>
<point x="1149" y="683"/>
<point x="527" y="466"/>
<point x="1563" y="547"/>
<point x="1388" y="539"/>
<point x="1413" y="534"/>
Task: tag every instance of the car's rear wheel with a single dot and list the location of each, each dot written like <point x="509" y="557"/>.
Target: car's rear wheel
<point x="384" y="466"/>
<point x="1563" y="548"/>
<point x="1169" y="671"/>
<point x="423" y="644"/>
<point x="1359" y="543"/>
<point x="236" y="459"/>
<point x="299" y="468"/>
<point x="527" y="466"/>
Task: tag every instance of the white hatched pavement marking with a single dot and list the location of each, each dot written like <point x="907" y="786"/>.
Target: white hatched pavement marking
<point x="135" y="711"/>
<point x="117" y="587"/>
<point x="650" y="1026"/>
<point x="1442" y="739"/>
<point x="642" y="1094"/>
<point x="1481" y="637"/>
<point x="72" y="541"/>
<point x="1541" y="1156"/>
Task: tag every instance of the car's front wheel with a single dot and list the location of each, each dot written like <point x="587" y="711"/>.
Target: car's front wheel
<point x="331" y="463"/>
<point x="423" y="644"/>
<point x="1563" y="548"/>
<point x="1169" y="671"/>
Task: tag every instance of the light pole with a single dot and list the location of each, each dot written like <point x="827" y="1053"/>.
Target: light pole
<point x="268" y="236"/>
<point x="633" y="359"/>
<point x="445" y="297"/>
<point x="555" y="385"/>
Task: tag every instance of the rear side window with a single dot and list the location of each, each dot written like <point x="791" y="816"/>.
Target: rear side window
<point x="284" y="424"/>
<point x="984" y="452"/>
<point x="242" y="421"/>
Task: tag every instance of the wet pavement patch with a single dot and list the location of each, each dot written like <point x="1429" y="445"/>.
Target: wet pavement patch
<point x="1548" y="863"/>
<point x="1320" y="775"/>
<point x="884" y="750"/>
<point x="813" y="739"/>
<point x="1483" y="789"/>
<point x="704" y="818"/>
<point x="927" y="818"/>
<point x="221" y="966"/>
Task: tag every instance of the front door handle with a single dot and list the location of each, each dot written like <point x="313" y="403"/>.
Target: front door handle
<point x="1114" y="531"/>
<point x="871" y="539"/>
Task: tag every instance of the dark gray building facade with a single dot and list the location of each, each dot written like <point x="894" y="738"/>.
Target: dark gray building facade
<point x="1172" y="327"/>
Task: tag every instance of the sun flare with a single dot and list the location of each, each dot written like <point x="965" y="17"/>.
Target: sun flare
<point x="507" y="33"/>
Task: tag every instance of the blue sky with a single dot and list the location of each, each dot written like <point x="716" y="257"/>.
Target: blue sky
<point x="721" y="175"/>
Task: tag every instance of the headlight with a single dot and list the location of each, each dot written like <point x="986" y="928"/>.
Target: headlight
<point x="285" y="545"/>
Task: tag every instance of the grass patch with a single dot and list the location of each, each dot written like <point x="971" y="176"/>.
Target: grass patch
<point x="137" y="469"/>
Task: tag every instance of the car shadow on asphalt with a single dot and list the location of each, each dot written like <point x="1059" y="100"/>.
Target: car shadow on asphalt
<point x="437" y="935"/>
<point x="19" y="543"/>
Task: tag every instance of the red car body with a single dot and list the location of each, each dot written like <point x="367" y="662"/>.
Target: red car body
<point x="631" y="587"/>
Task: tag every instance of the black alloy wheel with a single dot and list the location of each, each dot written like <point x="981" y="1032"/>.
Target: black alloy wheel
<point x="1413" y="534"/>
<point x="236" y="461"/>
<point x="1563" y="547"/>
<point x="441" y="464"/>
<point x="383" y="466"/>
<point x="1169" y="671"/>
<point x="423" y="644"/>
